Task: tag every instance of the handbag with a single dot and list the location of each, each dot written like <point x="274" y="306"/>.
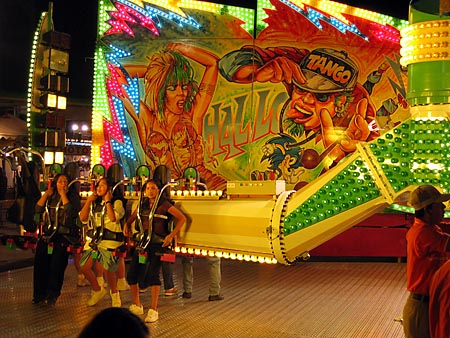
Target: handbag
<point x="16" y="212"/>
<point x="22" y="210"/>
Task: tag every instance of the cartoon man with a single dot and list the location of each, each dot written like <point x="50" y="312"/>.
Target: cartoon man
<point x="326" y="103"/>
<point x="170" y="117"/>
<point x="284" y="160"/>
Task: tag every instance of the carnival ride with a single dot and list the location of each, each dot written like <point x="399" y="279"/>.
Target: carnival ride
<point x="261" y="221"/>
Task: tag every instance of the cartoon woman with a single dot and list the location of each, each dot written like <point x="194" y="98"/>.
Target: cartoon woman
<point x="170" y="120"/>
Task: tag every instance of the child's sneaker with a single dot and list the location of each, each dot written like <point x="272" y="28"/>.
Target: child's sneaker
<point x="122" y="285"/>
<point x="102" y="282"/>
<point x="96" y="296"/>
<point x="152" y="316"/>
<point x="137" y="310"/>
<point x="115" y="299"/>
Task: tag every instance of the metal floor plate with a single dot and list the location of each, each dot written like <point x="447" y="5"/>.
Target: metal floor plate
<point x="310" y="299"/>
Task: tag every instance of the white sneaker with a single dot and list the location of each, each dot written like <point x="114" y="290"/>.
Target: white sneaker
<point x="102" y="282"/>
<point x="152" y="316"/>
<point x="96" y="296"/>
<point x="115" y="299"/>
<point x="137" y="310"/>
<point x="122" y="285"/>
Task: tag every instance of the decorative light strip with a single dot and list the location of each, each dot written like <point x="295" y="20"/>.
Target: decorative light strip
<point x="103" y="17"/>
<point x="31" y="75"/>
<point x="120" y="143"/>
<point x="316" y="17"/>
<point x="225" y="254"/>
<point x="132" y="91"/>
<point x="100" y="106"/>
<point x="112" y="127"/>
<point x="176" y="8"/>
<point x="385" y="32"/>
<point x="116" y="53"/>
<point x="337" y="10"/>
<point x="410" y="210"/>
<point x="147" y="16"/>
<point x="105" y="153"/>
<point x="196" y="194"/>
<point x="122" y="16"/>
<point x="425" y="42"/>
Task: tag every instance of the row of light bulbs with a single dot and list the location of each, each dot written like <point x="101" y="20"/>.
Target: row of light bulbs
<point x="196" y="193"/>
<point x="425" y="41"/>
<point x="226" y="255"/>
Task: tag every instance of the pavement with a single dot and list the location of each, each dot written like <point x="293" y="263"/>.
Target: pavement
<point x="13" y="254"/>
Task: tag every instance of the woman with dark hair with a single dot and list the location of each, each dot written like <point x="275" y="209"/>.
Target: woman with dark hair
<point x="59" y="207"/>
<point x="104" y="213"/>
<point x="161" y="237"/>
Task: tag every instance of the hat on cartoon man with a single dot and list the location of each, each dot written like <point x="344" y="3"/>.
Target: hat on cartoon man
<point x="327" y="71"/>
<point x="425" y="195"/>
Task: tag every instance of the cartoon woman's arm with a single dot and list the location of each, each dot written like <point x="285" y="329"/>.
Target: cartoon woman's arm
<point x="144" y="119"/>
<point x="136" y="70"/>
<point x="208" y="82"/>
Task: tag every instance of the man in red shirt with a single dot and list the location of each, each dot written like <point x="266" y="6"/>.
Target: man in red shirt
<point x="440" y="303"/>
<point x="427" y="247"/>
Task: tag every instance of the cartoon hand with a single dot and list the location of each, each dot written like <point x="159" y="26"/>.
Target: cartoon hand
<point x="268" y="148"/>
<point x="358" y="129"/>
<point x="330" y="133"/>
<point x="383" y="67"/>
<point x="213" y="162"/>
<point x="332" y="136"/>
<point x="280" y="69"/>
<point x="176" y="46"/>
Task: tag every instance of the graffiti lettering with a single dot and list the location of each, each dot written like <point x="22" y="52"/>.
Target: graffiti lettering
<point x="227" y="128"/>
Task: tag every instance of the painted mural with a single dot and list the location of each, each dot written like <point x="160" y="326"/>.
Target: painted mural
<point x="283" y="92"/>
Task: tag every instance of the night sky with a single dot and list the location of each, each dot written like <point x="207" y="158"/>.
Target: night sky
<point x="19" y="19"/>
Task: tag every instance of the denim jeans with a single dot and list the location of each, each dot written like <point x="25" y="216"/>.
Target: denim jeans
<point x="215" y="275"/>
<point x="415" y="319"/>
<point x="167" y="272"/>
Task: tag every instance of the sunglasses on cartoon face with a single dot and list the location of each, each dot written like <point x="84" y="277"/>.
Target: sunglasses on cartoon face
<point x="321" y="97"/>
